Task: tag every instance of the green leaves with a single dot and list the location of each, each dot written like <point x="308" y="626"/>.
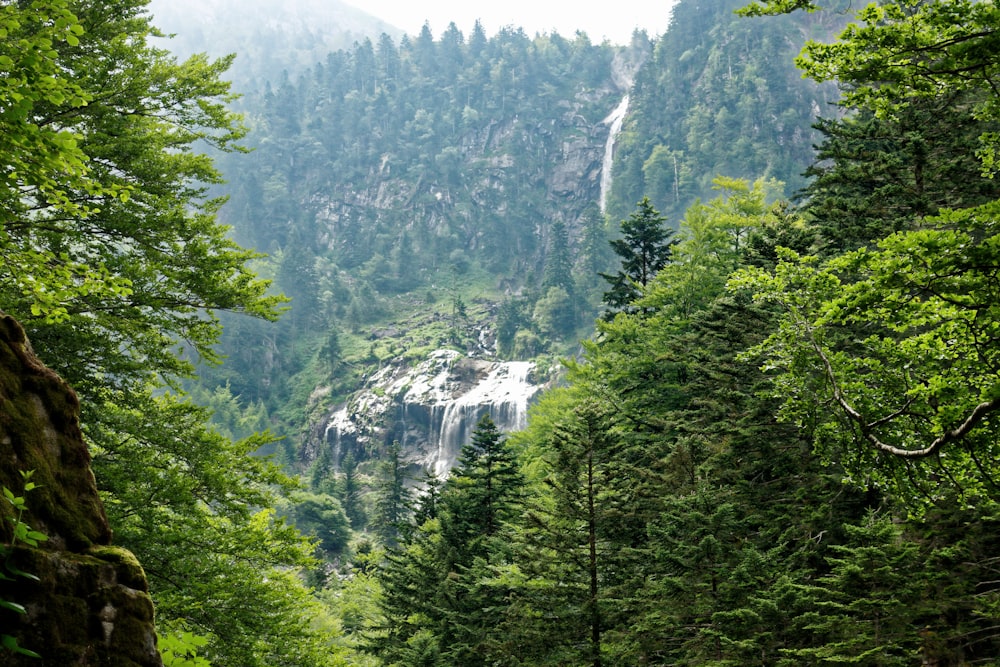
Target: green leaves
<point x="10" y="643"/>
<point x="22" y="534"/>
<point x="180" y="649"/>
<point x="900" y="339"/>
<point x="769" y="7"/>
<point x="112" y="257"/>
<point x="901" y="51"/>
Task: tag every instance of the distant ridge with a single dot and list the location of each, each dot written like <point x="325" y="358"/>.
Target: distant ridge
<point x="268" y="36"/>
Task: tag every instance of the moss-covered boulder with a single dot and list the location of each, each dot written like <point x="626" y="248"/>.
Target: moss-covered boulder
<point x="90" y="604"/>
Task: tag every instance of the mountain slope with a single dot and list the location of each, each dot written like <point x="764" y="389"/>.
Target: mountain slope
<point x="444" y="192"/>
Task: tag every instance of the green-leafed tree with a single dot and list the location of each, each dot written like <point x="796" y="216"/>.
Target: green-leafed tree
<point x="114" y="261"/>
<point x="912" y="391"/>
<point x="322" y="517"/>
<point x="883" y="334"/>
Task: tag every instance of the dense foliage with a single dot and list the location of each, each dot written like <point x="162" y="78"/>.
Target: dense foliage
<point x="114" y="262"/>
<point x="396" y="180"/>
<point x="779" y="448"/>
<point x="400" y="179"/>
<point x="720" y="95"/>
<point x="782" y="451"/>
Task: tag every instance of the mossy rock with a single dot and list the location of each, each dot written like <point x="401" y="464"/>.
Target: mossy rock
<point x="86" y="602"/>
<point x="40" y="432"/>
<point x="84" y="610"/>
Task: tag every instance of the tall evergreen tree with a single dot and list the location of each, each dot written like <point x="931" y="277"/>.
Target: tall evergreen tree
<point x="392" y="501"/>
<point x="644" y="249"/>
<point x="438" y="601"/>
<point x="350" y="490"/>
<point x="482" y="494"/>
<point x="558" y="260"/>
<point x="557" y="615"/>
<point x="878" y="175"/>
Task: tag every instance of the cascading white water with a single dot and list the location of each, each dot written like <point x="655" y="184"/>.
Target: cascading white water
<point x="432" y="409"/>
<point x="615" y="120"/>
<point x="504" y="394"/>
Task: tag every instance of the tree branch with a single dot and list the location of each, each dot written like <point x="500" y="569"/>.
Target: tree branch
<point x="976" y="416"/>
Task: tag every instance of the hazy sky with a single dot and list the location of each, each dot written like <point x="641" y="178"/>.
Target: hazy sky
<point x="613" y="19"/>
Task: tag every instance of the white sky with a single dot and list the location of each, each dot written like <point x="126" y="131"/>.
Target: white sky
<point x="611" y="19"/>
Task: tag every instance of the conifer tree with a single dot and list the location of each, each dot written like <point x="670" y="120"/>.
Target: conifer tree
<point x="392" y="499"/>
<point x="438" y="600"/>
<point x="644" y="249"/>
<point x="558" y="260"/>
<point x="480" y="500"/>
<point x="411" y="578"/>
<point x="481" y="495"/>
<point x="558" y="616"/>
<point x="350" y="491"/>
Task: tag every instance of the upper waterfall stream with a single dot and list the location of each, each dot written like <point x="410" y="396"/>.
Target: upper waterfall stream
<point x="615" y="120"/>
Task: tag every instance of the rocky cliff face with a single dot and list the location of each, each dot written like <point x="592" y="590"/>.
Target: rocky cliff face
<point x="90" y="604"/>
<point x="430" y="409"/>
<point x="491" y="177"/>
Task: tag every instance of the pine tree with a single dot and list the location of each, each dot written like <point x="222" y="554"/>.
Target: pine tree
<point x="392" y="500"/>
<point x="482" y="493"/>
<point x="482" y="496"/>
<point x="875" y="175"/>
<point x="350" y="492"/>
<point x="411" y="578"/>
<point x="644" y="249"/>
<point x="869" y="608"/>
<point x="558" y="270"/>
<point x="440" y="605"/>
<point x="557" y="615"/>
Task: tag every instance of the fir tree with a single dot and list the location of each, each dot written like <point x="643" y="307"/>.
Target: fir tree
<point x="644" y="249"/>
<point x="392" y="499"/>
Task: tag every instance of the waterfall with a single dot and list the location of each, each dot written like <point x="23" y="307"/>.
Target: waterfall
<point x="432" y="409"/>
<point x="338" y="424"/>
<point x="615" y="120"/>
<point x="504" y="393"/>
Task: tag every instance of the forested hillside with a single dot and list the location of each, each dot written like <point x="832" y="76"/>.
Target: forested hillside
<point x="445" y="191"/>
<point x="782" y="450"/>
<point x="769" y="436"/>
<point x="720" y="96"/>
